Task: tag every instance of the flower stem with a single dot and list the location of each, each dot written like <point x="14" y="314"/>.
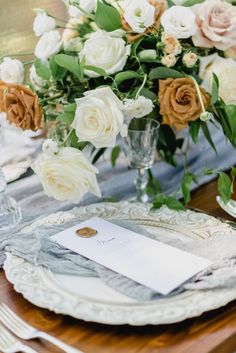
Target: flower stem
<point x="141" y="87"/>
<point x="199" y="94"/>
<point x="64" y="143"/>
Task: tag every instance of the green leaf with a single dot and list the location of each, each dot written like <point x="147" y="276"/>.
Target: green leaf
<point x="126" y="75"/>
<point x="168" y="201"/>
<point x="68" y="115"/>
<point x="224" y="187"/>
<point x="215" y="89"/>
<point x="186" y="182"/>
<point x="58" y="72"/>
<point x="207" y="135"/>
<point x="189" y="3"/>
<point x="164" y="72"/>
<point x="73" y="141"/>
<point x="99" y="153"/>
<point x="107" y="17"/>
<point x="114" y="155"/>
<point x="98" y="70"/>
<point x="233" y="175"/>
<point x="42" y="69"/>
<point x="70" y="63"/>
<point x="194" y="128"/>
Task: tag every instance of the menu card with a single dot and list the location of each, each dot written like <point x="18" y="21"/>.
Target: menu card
<point x="146" y="261"/>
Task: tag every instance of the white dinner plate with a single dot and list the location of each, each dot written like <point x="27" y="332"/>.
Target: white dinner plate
<point x="90" y="299"/>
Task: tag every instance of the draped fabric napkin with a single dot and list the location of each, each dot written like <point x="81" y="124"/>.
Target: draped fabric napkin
<point x="35" y="246"/>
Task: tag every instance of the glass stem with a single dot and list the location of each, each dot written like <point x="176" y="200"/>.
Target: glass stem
<point x="141" y="184"/>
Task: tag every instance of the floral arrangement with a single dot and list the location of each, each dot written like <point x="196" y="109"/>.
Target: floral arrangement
<point x="116" y="60"/>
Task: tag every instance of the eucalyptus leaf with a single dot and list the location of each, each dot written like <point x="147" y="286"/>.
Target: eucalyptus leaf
<point x="115" y="155"/>
<point x="215" y="89"/>
<point x="190" y="3"/>
<point x="42" y="69"/>
<point x="70" y="63"/>
<point x="185" y="185"/>
<point x="99" y="153"/>
<point x="224" y="187"/>
<point x="164" y="72"/>
<point x="126" y="75"/>
<point x="107" y="17"/>
<point x="207" y="135"/>
<point x="168" y="201"/>
<point x="58" y="72"/>
<point x="194" y="128"/>
<point x="68" y="115"/>
<point x="95" y="69"/>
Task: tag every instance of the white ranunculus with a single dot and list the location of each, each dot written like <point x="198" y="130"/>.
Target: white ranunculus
<point x="12" y="71"/>
<point x="140" y="15"/>
<point x="48" y="45"/>
<point x="37" y="82"/>
<point x="105" y="52"/>
<point x="225" y="70"/>
<point x="137" y="108"/>
<point x="86" y="6"/>
<point x="67" y="175"/>
<point x="99" y="118"/>
<point x="43" y="23"/>
<point x="50" y="146"/>
<point x="179" y="22"/>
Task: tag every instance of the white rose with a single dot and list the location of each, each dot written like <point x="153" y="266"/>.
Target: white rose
<point x="99" y="118"/>
<point x="86" y="6"/>
<point x="190" y="59"/>
<point x="12" y="71"/>
<point x="225" y="70"/>
<point x="48" y="45"/>
<point x="179" y="22"/>
<point x="50" y="146"/>
<point x="67" y="175"/>
<point x="169" y="60"/>
<point x="43" y="23"/>
<point x="140" y="15"/>
<point x="38" y="82"/>
<point x="105" y="52"/>
<point x="137" y="108"/>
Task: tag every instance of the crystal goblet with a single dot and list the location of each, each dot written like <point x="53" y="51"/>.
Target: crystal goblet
<point x="141" y="143"/>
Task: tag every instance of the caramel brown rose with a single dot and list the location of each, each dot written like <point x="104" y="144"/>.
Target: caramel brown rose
<point x="22" y="107"/>
<point x="179" y="101"/>
<point x="3" y="88"/>
<point x="160" y="7"/>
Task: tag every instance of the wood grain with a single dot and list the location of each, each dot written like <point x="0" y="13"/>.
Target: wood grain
<point x="213" y="332"/>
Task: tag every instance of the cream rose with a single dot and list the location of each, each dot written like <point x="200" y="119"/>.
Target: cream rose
<point x="225" y="70"/>
<point x="172" y="45"/>
<point x="106" y="52"/>
<point x="66" y="175"/>
<point x="169" y="60"/>
<point x="48" y="45"/>
<point x="99" y="118"/>
<point x="12" y="71"/>
<point x="43" y="23"/>
<point x="190" y="59"/>
<point x="216" y="23"/>
<point x="139" y="14"/>
<point x="179" y="22"/>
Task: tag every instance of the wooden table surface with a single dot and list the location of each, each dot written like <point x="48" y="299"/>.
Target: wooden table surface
<point x="213" y="332"/>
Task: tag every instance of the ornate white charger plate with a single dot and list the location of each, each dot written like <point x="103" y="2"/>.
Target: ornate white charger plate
<point x="90" y="299"/>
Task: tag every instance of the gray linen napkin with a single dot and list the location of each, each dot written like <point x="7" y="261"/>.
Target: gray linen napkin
<point x="37" y="248"/>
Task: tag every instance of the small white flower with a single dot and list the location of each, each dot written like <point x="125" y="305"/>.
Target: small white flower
<point x="206" y="116"/>
<point x="137" y="108"/>
<point x="190" y="59"/>
<point x="48" y="45"/>
<point x="105" y="52"/>
<point x="86" y="6"/>
<point x="12" y="71"/>
<point x="50" y="147"/>
<point x="99" y="118"/>
<point x="37" y="82"/>
<point x="169" y="60"/>
<point x="179" y="22"/>
<point x="140" y="15"/>
<point x="67" y="175"/>
<point x="43" y="23"/>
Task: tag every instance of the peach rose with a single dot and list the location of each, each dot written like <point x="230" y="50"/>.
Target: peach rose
<point x="231" y="53"/>
<point x="216" y="23"/>
<point x="172" y="45"/>
<point x="22" y="107"/>
<point x="179" y="101"/>
<point x="160" y="7"/>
